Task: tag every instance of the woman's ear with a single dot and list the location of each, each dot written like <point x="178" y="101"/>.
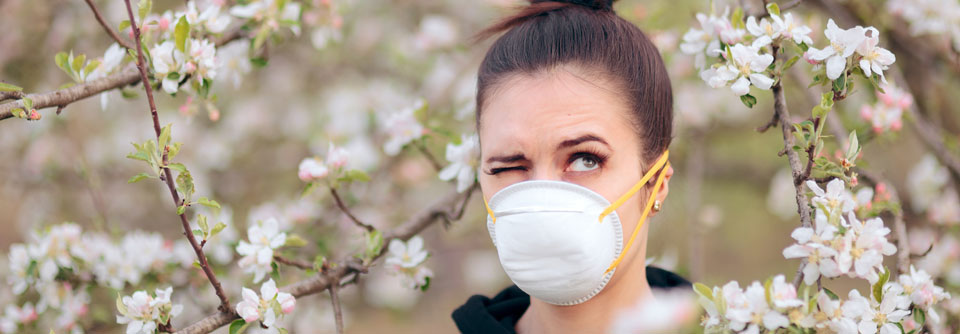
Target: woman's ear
<point x="665" y="187"/>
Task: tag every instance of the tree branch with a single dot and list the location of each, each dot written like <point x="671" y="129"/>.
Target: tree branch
<point x="447" y="206"/>
<point x="336" y="197"/>
<point x="337" y="313"/>
<point x="293" y="262"/>
<point x="142" y="68"/>
<point x="796" y="167"/>
<point x="106" y="27"/>
<point x="63" y="97"/>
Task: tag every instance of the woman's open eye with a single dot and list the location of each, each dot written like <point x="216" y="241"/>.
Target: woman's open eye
<point x="585" y="163"/>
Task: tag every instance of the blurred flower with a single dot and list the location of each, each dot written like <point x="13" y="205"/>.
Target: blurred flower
<point x="14" y="316"/>
<point x="436" y="32"/>
<point x="707" y="38"/>
<point x="406" y="259"/>
<point x="463" y="162"/>
<point x="311" y="169"/>
<point x="233" y="62"/>
<point x="792" y="29"/>
<point x="337" y="157"/>
<point x="919" y="287"/>
<point x="669" y="311"/>
<point x="402" y="127"/>
<point x="168" y="60"/>
<point x="843" y="43"/>
<point x="264" y="237"/>
<point x="925" y="182"/>
<point x="202" y="62"/>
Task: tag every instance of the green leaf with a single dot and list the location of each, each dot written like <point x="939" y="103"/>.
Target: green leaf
<point x="185" y="185"/>
<point x="120" y="306"/>
<point x="129" y="93"/>
<point x="174" y="149"/>
<point x="426" y="284"/>
<point x="840" y="83"/>
<point x="140" y="155"/>
<point x="919" y="316"/>
<point x="181" y="32"/>
<point x="294" y="240"/>
<point x="830" y="294"/>
<point x="275" y="273"/>
<point x="202" y="222"/>
<point x="197" y="264"/>
<point x="878" y="287"/>
<point x="748" y="100"/>
<point x="5" y="87"/>
<point x="177" y="166"/>
<point x="354" y="175"/>
<point x="27" y="103"/>
<point x="703" y="290"/>
<point x="773" y="9"/>
<point x="311" y="186"/>
<point x="165" y="136"/>
<point x="217" y="228"/>
<point x="737" y="19"/>
<point x="181" y="209"/>
<point x="138" y="177"/>
<point x="237" y="326"/>
<point x="92" y="65"/>
<point x="61" y="60"/>
<point x="768" y="290"/>
<point x="123" y="25"/>
<point x="144" y="8"/>
<point x="258" y="61"/>
<point x="790" y="62"/>
<point x="19" y="113"/>
<point x="78" y="62"/>
<point x="208" y="202"/>
<point x="374" y="243"/>
<point x="854" y="148"/>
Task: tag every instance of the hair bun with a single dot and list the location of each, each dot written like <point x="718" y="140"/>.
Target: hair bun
<point x="593" y="4"/>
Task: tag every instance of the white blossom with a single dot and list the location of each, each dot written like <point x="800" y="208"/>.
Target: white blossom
<point x="874" y="58"/>
<point x="264" y="237"/>
<point x="264" y="306"/>
<point x="142" y="312"/>
<point x="463" y="162"/>
<point x="766" y="31"/>
<point x="311" y="169"/>
<point x="401" y="128"/>
<point x="794" y="30"/>
<point x="168" y="60"/>
<point x="843" y="43"/>
<point x="406" y="259"/>
<point x="745" y="67"/>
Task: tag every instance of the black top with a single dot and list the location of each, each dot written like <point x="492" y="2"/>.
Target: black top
<point x="482" y="315"/>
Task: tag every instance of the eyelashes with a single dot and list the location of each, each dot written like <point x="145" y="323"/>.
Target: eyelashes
<point x="599" y="157"/>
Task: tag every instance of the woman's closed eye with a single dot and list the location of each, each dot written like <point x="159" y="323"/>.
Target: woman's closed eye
<point x="498" y="170"/>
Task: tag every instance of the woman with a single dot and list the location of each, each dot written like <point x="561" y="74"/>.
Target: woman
<point x="574" y="114"/>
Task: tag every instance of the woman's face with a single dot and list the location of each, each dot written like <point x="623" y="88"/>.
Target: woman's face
<point x="555" y="125"/>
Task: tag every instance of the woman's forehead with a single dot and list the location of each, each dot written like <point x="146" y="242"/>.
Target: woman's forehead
<point x="549" y="109"/>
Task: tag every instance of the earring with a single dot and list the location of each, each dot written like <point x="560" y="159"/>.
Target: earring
<point x="656" y="205"/>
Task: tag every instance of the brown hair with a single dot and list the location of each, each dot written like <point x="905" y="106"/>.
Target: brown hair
<point x="589" y="34"/>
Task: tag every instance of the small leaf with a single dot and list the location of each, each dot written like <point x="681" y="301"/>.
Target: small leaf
<point x="208" y="202"/>
<point x="165" y="135"/>
<point x="748" y="100"/>
<point x="311" y="186"/>
<point x="294" y="240"/>
<point x="145" y="7"/>
<point x="790" y="61"/>
<point x="773" y="9"/>
<point x="354" y="175"/>
<point x="177" y="166"/>
<point x="830" y="294"/>
<point x="181" y="32"/>
<point x="237" y="326"/>
<point x="920" y="316"/>
<point x="61" y="60"/>
<point x="78" y="63"/>
<point x="275" y="273"/>
<point x="703" y="290"/>
<point x="129" y="93"/>
<point x="138" y="177"/>
<point x="185" y="185"/>
<point x="217" y="228"/>
<point x="5" y="87"/>
<point x="202" y="222"/>
<point x="197" y="264"/>
<point x="181" y="209"/>
<point x="120" y="306"/>
<point x="123" y="25"/>
<point x="258" y="61"/>
<point x="27" y="103"/>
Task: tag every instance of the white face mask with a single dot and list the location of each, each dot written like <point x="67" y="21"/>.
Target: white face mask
<point x="560" y="242"/>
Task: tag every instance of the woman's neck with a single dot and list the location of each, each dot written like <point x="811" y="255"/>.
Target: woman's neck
<point x="626" y="289"/>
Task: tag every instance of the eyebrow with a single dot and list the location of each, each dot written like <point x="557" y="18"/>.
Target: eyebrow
<point x="579" y="140"/>
<point x="507" y="158"/>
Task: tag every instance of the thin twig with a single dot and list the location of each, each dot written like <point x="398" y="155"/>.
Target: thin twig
<point x="293" y="262"/>
<point x="796" y="167"/>
<point x="337" y="313"/>
<point x="106" y="27"/>
<point x="322" y="281"/>
<point x="336" y="197"/>
<point x="142" y="68"/>
<point x="426" y="153"/>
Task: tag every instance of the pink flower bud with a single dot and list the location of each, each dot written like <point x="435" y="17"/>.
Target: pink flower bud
<point x="164" y="24"/>
<point x="854" y="181"/>
<point x="34" y="115"/>
<point x="866" y="112"/>
<point x="287" y="302"/>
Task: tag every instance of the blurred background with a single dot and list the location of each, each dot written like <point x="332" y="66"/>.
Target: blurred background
<point x="728" y="217"/>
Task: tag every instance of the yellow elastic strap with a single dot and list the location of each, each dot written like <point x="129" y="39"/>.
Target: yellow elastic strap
<point x="489" y="211"/>
<point x="643" y="181"/>
<point x="643" y="218"/>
